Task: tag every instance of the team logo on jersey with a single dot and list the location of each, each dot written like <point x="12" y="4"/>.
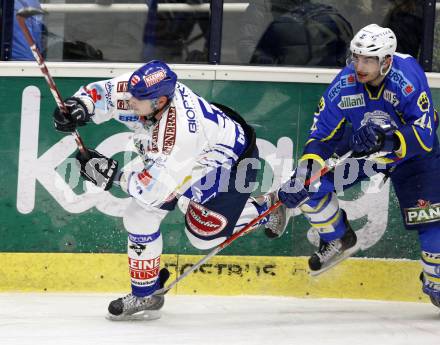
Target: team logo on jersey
<point x="122" y="86"/>
<point x="353" y="101"/>
<point x="169" y="136"/>
<point x="390" y="97"/>
<point x="203" y="221"/>
<point x="345" y="81"/>
<point x="398" y="78"/>
<point x="380" y="118"/>
<point x="154" y="78"/>
<point x="423" y="102"/>
<point x="424" y="212"/>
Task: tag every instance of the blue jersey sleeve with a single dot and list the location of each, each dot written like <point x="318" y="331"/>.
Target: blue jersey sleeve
<point x="418" y="133"/>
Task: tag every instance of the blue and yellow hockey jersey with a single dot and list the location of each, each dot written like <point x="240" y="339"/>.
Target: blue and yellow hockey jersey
<point x="403" y="101"/>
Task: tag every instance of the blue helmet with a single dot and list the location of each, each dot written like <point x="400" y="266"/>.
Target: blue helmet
<point x="152" y="80"/>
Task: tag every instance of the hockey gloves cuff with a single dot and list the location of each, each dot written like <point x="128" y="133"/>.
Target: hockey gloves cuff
<point x="79" y="111"/>
<point x="294" y="192"/>
<point x="98" y="169"/>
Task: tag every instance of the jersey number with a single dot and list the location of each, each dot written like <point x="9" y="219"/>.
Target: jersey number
<point x="424" y="122"/>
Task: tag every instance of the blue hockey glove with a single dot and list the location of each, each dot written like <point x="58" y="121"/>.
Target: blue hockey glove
<point x="97" y="168"/>
<point x="372" y="138"/>
<point x="294" y="192"/>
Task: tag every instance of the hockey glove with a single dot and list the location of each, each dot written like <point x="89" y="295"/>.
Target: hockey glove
<point x="294" y="192"/>
<point x="79" y="111"/>
<point x="371" y="138"/>
<point x="98" y="169"/>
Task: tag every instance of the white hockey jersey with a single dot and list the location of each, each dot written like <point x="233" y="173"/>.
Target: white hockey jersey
<point x="191" y="139"/>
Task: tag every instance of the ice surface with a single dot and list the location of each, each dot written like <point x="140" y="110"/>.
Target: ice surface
<point x="65" y="319"/>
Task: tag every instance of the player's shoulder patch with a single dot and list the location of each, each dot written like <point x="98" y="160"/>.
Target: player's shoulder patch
<point x="344" y="80"/>
<point x="423" y="102"/>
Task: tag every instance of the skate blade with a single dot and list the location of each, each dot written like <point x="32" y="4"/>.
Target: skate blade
<point x="146" y="315"/>
<point x="349" y="252"/>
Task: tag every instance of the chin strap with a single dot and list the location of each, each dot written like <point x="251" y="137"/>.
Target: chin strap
<point x="389" y="68"/>
<point x="150" y="119"/>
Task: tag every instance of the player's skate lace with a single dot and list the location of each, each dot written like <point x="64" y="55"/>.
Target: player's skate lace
<point x="328" y="250"/>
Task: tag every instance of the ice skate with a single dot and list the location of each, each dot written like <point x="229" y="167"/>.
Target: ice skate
<point x="435" y="300"/>
<point x="331" y="253"/>
<point x="131" y="307"/>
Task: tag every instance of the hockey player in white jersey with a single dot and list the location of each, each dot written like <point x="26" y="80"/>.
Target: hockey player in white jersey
<point x="190" y="148"/>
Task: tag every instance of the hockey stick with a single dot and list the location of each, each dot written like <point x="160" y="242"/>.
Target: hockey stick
<point x="21" y="16"/>
<point x="248" y="227"/>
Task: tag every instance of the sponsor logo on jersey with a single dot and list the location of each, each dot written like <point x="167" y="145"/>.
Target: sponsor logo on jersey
<point x="154" y="137"/>
<point x="144" y="269"/>
<point x="122" y="86"/>
<point x="169" y="136"/>
<point x="398" y="78"/>
<point x="154" y="78"/>
<point x="390" y="97"/>
<point x="424" y="212"/>
<point x="353" y="101"/>
<point x="345" y="81"/>
<point x="128" y="118"/>
<point x="123" y="104"/>
<point x="108" y="93"/>
<point x="95" y="94"/>
<point x="203" y="221"/>
<point x="423" y="102"/>
<point x="189" y="109"/>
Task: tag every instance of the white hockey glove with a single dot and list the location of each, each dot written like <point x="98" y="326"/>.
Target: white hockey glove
<point x="98" y="169"/>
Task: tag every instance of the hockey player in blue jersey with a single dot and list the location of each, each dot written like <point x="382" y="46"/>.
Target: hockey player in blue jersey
<point x="383" y="102"/>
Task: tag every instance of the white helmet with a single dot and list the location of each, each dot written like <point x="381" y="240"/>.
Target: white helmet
<point x="374" y="40"/>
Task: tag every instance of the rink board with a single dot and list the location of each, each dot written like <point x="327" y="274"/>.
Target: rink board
<point x="58" y="235"/>
<point x="46" y="207"/>
<point x="381" y="279"/>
